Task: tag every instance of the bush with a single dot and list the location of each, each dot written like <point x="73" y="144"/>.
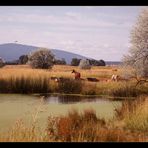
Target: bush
<point x="43" y="58"/>
<point x="126" y="90"/>
<point x="84" y="64"/>
<point x="97" y="63"/>
<point x="74" y="125"/>
<point x="69" y="86"/>
<point x="23" y="59"/>
<point x="75" y="62"/>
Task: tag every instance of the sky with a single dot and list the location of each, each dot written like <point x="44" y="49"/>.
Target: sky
<point x="100" y="32"/>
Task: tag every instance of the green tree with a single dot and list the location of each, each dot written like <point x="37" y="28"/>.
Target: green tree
<point x="75" y="62"/>
<point x="23" y="59"/>
<point x="42" y="58"/>
<point x="60" y="62"/>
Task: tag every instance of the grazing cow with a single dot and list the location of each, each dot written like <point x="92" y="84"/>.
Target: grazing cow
<point x="114" y="77"/>
<point x="77" y="75"/>
<point x="92" y="79"/>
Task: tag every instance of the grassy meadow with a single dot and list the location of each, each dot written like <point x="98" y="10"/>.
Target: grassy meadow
<point x="23" y="79"/>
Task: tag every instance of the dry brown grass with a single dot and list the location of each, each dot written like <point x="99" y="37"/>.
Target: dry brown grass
<point x="60" y="70"/>
<point x="86" y="127"/>
<point x="25" y="77"/>
<point x="77" y="127"/>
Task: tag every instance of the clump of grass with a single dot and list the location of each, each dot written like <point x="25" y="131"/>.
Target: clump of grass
<point x="70" y="86"/>
<point x="25" y="85"/>
<point x="70" y="127"/>
<point x="87" y="127"/>
<point x="22" y="133"/>
<point x="126" y="90"/>
<point x="138" y="120"/>
<point x="135" y="114"/>
<point x="89" y="89"/>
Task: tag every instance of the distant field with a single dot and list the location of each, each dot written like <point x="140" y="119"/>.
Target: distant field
<point x="65" y="70"/>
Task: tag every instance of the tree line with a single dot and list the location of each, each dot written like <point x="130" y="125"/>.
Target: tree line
<point x="44" y="58"/>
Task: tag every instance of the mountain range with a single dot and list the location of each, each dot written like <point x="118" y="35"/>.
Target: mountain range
<point x="12" y="51"/>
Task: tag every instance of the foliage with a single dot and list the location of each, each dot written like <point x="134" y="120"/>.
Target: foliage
<point x="138" y="53"/>
<point x="60" y="62"/>
<point x="23" y="59"/>
<point x="84" y="64"/>
<point x="43" y="58"/>
<point x="97" y="62"/>
<point x="75" y="62"/>
<point x="69" y="86"/>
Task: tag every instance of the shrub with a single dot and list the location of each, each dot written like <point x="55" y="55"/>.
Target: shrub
<point x="69" y="86"/>
<point x="43" y="58"/>
<point x="23" y="59"/>
<point x="84" y="64"/>
<point x="75" y="62"/>
<point x="126" y="90"/>
<point x="70" y="127"/>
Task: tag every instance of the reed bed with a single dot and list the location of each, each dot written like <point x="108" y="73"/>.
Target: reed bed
<point x="23" y="79"/>
<point x="134" y="114"/>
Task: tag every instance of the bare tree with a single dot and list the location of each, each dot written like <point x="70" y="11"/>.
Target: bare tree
<point x="138" y="53"/>
<point x="42" y="58"/>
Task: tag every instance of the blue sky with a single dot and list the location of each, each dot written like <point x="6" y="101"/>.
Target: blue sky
<point x="100" y="32"/>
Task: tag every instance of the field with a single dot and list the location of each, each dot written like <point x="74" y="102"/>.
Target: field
<point x="130" y="123"/>
<point x="23" y="79"/>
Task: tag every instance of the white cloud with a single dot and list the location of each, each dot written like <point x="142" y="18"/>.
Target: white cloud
<point x="70" y="19"/>
<point x="74" y="15"/>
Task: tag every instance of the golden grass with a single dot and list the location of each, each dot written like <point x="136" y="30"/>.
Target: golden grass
<point x="58" y="70"/>
<point x="20" y="77"/>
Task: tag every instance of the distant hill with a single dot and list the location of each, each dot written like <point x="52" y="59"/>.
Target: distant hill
<point x="12" y="51"/>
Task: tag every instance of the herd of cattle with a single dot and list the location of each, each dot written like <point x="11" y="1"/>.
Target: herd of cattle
<point x="77" y="76"/>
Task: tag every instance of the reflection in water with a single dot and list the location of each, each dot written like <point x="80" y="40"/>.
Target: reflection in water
<point x="68" y="99"/>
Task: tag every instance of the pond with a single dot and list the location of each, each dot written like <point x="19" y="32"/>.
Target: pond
<point x="26" y="107"/>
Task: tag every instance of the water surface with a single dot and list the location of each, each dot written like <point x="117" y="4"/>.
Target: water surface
<point x="26" y="107"/>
